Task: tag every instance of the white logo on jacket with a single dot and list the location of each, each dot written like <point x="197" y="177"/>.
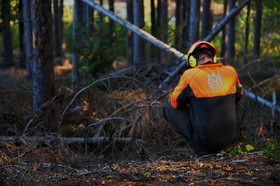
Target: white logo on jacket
<point x="215" y="81"/>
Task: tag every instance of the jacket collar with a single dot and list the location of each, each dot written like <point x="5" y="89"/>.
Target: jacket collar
<point x="209" y="64"/>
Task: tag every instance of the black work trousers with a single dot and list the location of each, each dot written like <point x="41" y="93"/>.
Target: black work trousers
<point x="179" y="119"/>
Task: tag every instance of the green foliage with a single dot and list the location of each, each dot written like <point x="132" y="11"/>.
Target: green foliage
<point x="147" y="174"/>
<point x="271" y="31"/>
<point x="271" y="150"/>
<point x="241" y="150"/>
<point x="97" y="50"/>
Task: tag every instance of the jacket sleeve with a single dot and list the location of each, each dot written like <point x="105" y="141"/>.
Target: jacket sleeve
<point x="239" y="92"/>
<point x="178" y="97"/>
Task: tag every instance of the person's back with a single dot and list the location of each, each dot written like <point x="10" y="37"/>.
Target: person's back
<point x="212" y="101"/>
<point x="202" y="107"/>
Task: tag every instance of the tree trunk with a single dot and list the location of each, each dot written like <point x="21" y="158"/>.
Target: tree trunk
<point x="22" y="62"/>
<point x="57" y="29"/>
<point x="163" y="19"/>
<point x="158" y="29"/>
<point x="61" y="26"/>
<point x="7" y="34"/>
<point x="207" y="18"/>
<point x="153" y="26"/>
<point x="43" y="71"/>
<point x="178" y="24"/>
<point x="129" y="34"/>
<point x="138" y="42"/>
<point x="231" y="34"/>
<point x="186" y="23"/>
<point x="164" y="28"/>
<point x="27" y="37"/>
<point x="74" y="41"/>
<point x="247" y="32"/>
<point x="111" y="23"/>
<point x="194" y="20"/>
<point x="257" y="30"/>
<point x="224" y="32"/>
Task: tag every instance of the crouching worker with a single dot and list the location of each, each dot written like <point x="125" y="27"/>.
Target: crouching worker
<point x="204" y="107"/>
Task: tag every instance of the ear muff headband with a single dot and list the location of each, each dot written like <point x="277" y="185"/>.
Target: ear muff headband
<point x="191" y="60"/>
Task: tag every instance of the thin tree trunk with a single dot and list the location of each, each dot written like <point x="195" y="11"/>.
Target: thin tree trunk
<point x="129" y="34"/>
<point x="153" y="26"/>
<point x="164" y="28"/>
<point x="257" y="30"/>
<point x="111" y="22"/>
<point x="7" y="34"/>
<point x="186" y="23"/>
<point x="194" y="20"/>
<point x="158" y="30"/>
<point x="163" y="20"/>
<point x="61" y="26"/>
<point x="43" y="71"/>
<point x="22" y="62"/>
<point x="207" y="18"/>
<point x="57" y="34"/>
<point x="138" y="42"/>
<point x="178" y="24"/>
<point x="27" y="37"/>
<point x="230" y="53"/>
<point x="224" y="32"/>
<point x="74" y="41"/>
<point x="247" y="32"/>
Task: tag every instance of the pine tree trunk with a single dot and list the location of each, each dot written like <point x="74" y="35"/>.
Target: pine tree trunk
<point x="43" y="71"/>
<point x="74" y="42"/>
<point x="207" y="18"/>
<point x="257" y="30"/>
<point x="27" y="37"/>
<point x="153" y="26"/>
<point x="129" y="34"/>
<point x="230" y="52"/>
<point x="57" y="29"/>
<point x="7" y="34"/>
<point x="186" y="23"/>
<point x="22" y="58"/>
<point x="178" y="24"/>
<point x="111" y="22"/>
<point x="138" y="42"/>
<point x="224" y="32"/>
<point x="247" y="32"/>
<point x="164" y="28"/>
<point x="194" y="20"/>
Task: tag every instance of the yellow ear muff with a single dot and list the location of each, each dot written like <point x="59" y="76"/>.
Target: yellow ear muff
<point x="192" y="61"/>
<point x="215" y="59"/>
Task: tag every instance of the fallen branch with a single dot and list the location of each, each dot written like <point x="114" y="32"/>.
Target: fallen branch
<point x="261" y="100"/>
<point x="65" y="140"/>
<point x="109" y="119"/>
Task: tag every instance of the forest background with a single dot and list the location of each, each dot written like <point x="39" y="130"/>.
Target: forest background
<point x="91" y="87"/>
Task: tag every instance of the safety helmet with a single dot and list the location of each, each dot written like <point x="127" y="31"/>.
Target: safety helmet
<point x="196" y="49"/>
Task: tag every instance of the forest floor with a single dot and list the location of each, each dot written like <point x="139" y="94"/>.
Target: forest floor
<point x="162" y="158"/>
<point x="175" y="167"/>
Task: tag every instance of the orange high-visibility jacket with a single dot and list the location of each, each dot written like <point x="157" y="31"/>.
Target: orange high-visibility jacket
<point x="211" y="91"/>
